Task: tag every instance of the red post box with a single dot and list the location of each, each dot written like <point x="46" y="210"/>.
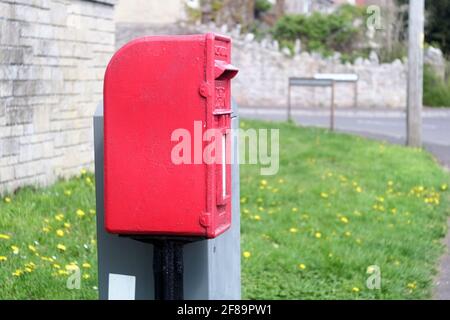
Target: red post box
<point x="154" y="86"/>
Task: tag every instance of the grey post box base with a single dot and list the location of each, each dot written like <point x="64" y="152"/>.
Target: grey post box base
<point x="125" y="266"/>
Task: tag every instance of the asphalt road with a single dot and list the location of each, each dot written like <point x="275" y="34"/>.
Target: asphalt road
<point x="381" y="124"/>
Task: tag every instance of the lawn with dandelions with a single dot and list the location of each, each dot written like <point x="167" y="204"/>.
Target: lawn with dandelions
<point x="340" y="209"/>
<point x="47" y="235"/>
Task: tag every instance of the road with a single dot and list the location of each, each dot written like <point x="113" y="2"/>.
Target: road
<point x="378" y="124"/>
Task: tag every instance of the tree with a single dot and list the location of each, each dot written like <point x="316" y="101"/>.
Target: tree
<point x="279" y="8"/>
<point x="230" y="12"/>
<point x="438" y="24"/>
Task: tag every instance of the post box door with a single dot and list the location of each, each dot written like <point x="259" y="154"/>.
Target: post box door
<point x="153" y="87"/>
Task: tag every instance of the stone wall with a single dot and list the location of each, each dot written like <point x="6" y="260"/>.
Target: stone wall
<point x="53" y="55"/>
<point x="264" y="72"/>
<point x="154" y="11"/>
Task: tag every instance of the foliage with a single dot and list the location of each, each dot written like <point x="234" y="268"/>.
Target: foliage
<point x="436" y="92"/>
<point x="324" y="33"/>
<point x="262" y="6"/>
<point x="399" y="51"/>
<point x="438" y="24"/>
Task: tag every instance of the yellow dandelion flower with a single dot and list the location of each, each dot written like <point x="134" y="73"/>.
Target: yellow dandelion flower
<point x="358" y="241"/>
<point x="344" y="220"/>
<point x="348" y="233"/>
<point x="246" y="254"/>
<point x="61" y="247"/>
<point x="68" y="192"/>
<point x="301" y="266"/>
<point x="46" y="229"/>
<point x="56" y="266"/>
<point x="60" y="233"/>
<point x="358" y="189"/>
<point x="444" y="187"/>
<point x="294" y="209"/>
<point x="15" y="249"/>
<point x="88" y="180"/>
<point x="80" y="213"/>
<point x="318" y="235"/>
<point x="280" y="180"/>
<point x="86" y="276"/>
<point x="17" y="273"/>
<point x="63" y="272"/>
<point x="293" y="230"/>
<point x="3" y="258"/>
<point x="263" y="182"/>
<point x="357" y="213"/>
<point x="67" y="225"/>
<point x="412" y="285"/>
<point x="257" y="217"/>
<point x="92" y="211"/>
<point x="355" y="289"/>
<point x="324" y="195"/>
<point x="7" y="200"/>
<point x="86" y="265"/>
<point x="83" y="171"/>
<point x="32" y="248"/>
<point x="59" y="217"/>
<point x="71" y="267"/>
<point x="27" y="269"/>
<point x="5" y="236"/>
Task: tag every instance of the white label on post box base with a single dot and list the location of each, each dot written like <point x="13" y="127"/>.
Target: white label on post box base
<point x="121" y="287"/>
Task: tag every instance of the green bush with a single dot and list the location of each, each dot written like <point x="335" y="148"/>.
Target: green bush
<point x="436" y="92"/>
<point x="262" y="6"/>
<point x="323" y="33"/>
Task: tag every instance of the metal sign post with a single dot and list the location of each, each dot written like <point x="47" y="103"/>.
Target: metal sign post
<point x="211" y="268"/>
<point x="324" y="80"/>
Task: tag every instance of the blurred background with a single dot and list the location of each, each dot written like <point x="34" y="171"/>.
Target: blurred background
<point x="53" y="55"/>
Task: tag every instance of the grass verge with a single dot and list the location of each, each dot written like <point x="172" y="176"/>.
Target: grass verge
<point x="339" y="205"/>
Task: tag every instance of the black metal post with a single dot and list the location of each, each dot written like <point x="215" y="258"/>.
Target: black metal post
<point x="168" y="269"/>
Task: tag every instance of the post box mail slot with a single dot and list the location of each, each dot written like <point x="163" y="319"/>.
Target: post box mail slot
<point x="155" y="89"/>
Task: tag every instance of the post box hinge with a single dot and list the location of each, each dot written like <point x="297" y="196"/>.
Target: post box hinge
<point x="205" y="90"/>
<point x="205" y="219"/>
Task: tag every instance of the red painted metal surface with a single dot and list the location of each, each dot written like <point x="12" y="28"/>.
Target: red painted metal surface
<point x="153" y="86"/>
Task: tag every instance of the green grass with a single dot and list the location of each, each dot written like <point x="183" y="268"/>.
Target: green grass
<point x="365" y="198"/>
<point x="25" y="220"/>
